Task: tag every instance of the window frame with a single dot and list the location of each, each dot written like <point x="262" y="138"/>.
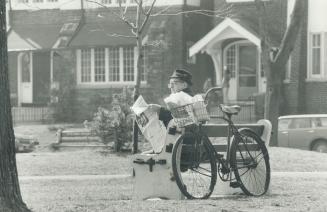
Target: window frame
<point x="107" y="53"/>
<point x="311" y="47"/>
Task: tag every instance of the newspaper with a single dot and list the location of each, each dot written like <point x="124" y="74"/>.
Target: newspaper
<point x="148" y="122"/>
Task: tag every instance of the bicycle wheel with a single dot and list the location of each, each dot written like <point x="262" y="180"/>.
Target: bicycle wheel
<point x="194" y="166"/>
<point x="250" y="161"/>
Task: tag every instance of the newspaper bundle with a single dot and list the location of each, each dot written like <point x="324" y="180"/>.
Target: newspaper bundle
<point x="151" y="127"/>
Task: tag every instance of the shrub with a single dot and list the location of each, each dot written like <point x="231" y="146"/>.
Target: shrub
<point x="116" y="123"/>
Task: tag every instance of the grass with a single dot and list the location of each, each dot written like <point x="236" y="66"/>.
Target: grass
<point x="116" y="195"/>
<point x="72" y="163"/>
<point x="86" y="195"/>
<point x="92" y="162"/>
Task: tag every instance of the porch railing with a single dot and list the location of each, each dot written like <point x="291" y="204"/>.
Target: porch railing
<point x="31" y="114"/>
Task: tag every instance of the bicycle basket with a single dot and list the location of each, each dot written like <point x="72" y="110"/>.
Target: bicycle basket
<point x="190" y="114"/>
<point x="200" y="111"/>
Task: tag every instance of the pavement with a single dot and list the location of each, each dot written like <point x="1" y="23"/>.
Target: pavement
<point x="121" y="176"/>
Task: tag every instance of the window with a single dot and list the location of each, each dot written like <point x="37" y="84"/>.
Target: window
<point x="128" y="63"/>
<point x="315" y="64"/>
<point x="300" y="123"/>
<point x="99" y="65"/>
<point x="316" y="54"/>
<point x="108" y="65"/>
<point x="288" y="69"/>
<point x="38" y="1"/>
<point x="22" y="1"/>
<point x="86" y="65"/>
<point x="283" y="124"/>
<point x="114" y="75"/>
<point x="323" y="122"/>
<point x="231" y="59"/>
<point x="69" y="28"/>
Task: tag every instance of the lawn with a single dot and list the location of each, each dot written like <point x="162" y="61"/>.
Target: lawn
<point x="116" y="195"/>
<point x="287" y="193"/>
<point x="96" y="162"/>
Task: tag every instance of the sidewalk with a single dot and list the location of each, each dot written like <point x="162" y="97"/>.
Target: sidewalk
<point x="121" y="176"/>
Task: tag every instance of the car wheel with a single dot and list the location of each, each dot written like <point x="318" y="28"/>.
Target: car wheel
<point x="320" y="146"/>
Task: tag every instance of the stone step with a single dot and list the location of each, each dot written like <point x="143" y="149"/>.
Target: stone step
<point x="81" y="145"/>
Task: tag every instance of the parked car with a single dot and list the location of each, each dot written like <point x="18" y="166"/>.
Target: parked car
<point x="308" y="132"/>
<point x="25" y="143"/>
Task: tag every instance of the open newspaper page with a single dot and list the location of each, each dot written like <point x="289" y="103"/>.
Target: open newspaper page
<point x="151" y="127"/>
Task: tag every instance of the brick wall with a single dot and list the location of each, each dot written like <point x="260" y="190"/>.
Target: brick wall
<point x="316" y="97"/>
<point x="296" y="89"/>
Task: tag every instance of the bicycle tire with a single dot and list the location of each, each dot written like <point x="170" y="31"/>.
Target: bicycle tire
<point x="188" y="164"/>
<point x="251" y="168"/>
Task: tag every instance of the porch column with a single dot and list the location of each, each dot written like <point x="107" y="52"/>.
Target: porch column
<point x="216" y="55"/>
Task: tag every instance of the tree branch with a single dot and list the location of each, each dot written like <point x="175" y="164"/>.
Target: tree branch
<point x="114" y="34"/>
<point x="210" y="13"/>
<point x="141" y="7"/>
<point x="119" y="35"/>
<point x="121" y="17"/>
<point x="259" y="4"/>
<point x="147" y="15"/>
<point x="292" y="31"/>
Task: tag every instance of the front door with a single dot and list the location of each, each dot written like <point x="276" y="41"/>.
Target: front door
<point x="247" y="72"/>
<point x="26" y="76"/>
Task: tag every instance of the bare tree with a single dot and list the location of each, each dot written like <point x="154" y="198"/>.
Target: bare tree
<point x="10" y="196"/>
<point x="274" y="59"/>
<point x="144" y="11"/>
<point x="137" y="28"/>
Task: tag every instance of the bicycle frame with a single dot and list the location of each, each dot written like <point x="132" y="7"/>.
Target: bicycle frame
<point x="232" y="131"/>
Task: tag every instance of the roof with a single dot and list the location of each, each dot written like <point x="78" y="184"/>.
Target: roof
<point x="17" y="43"/>
<point x="38" y="30"/>
<point x="303" y="116"/>
<point x="228" y="28"/>
<point x="102" y="33"/>
<point x="32" y="37"/>
<point x="51" y="29"/>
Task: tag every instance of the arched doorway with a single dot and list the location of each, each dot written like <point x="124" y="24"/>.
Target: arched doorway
<point x="241" y="58"/>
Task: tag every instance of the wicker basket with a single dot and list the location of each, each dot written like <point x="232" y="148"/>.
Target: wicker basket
<point x="190" y="114"/>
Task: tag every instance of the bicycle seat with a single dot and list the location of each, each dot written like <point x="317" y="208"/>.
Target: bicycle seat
<point x="231" y="110"/>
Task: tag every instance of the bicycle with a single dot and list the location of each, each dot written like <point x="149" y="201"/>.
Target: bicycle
<point x="196" y="163"/>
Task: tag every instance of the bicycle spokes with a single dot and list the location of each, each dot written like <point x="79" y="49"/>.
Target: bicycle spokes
<point x="251" y="164"/>
<point x="194" y="167"/>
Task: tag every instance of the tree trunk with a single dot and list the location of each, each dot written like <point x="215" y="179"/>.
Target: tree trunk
<point x="136" y="92"/>
<point x="273" y="100"/>
<point x="274" y="64"/>
<point x="10" y="197"/>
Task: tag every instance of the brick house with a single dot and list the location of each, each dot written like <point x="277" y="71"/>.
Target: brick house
<point x="235" y="42"/>
<point x="76" y="36"/>
<point x="65" y="34"/>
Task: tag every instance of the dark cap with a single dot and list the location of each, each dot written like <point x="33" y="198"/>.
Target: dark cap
<point x="183" y="75"/>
